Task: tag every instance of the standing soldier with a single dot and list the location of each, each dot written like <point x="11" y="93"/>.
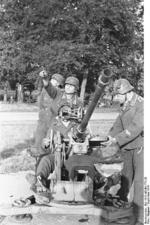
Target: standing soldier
<point x="45" y="113"/>
<point x="127" y="132"/>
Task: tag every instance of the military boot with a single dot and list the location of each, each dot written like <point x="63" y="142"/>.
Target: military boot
<point x="39" y="186"/>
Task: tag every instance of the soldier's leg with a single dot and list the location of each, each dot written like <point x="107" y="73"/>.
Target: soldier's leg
<point x="139" y="183"/>
<point x="127" y="175"/>
<point x="45" y="166"/>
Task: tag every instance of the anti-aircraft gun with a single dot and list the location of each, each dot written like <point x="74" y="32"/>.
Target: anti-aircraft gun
<point x="80" y="143"/>
<point x="79" y="138"/>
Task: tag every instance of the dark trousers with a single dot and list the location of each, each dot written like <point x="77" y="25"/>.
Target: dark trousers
<point x="45" y="166"/>
<point x="134" y="172"/>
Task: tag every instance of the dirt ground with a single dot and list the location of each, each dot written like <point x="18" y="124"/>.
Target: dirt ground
<point x="47" y="219"/>
<point x="41" y="215"/>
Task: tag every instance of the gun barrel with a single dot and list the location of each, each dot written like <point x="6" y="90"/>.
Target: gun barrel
<point x="102" y="82"/>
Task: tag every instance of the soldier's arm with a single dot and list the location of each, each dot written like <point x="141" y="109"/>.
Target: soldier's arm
<point x="133" y="130"/>
<point x="48" y="134"/>
<point x="116" y="128"/>
<point x="51" y="90"/>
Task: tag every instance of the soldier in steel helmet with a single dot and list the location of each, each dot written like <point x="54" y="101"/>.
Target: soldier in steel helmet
<point x="63" y="100"/>
<point x="45" y="113"/>
<point x="127" y="132"/>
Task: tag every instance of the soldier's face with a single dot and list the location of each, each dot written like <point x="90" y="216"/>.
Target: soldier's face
<point x="54" y="83"/>
<point x="69" y="89"/>
<point x="119" y="98"/>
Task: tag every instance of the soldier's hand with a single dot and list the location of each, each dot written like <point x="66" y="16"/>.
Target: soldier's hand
<point x="45" y="143"/>
<point x="110" y="141"/>
<point x="43" y="74"/>
<point x="110" y="150"/>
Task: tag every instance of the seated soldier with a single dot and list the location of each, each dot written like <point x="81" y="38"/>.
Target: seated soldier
<point x="64" y="106"/>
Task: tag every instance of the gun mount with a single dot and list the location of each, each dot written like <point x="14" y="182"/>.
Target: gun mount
<point x="77" y="156"/>
<point x="102" y="82"/>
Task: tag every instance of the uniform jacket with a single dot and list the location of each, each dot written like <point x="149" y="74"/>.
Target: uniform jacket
<point x="44" y="99"/>
<point x="128" y="128"/>
<point x="45" y="102"/>
<point x="59" y="100"/>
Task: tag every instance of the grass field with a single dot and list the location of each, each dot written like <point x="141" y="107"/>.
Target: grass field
<point x="18" y="107"/>
<point x="22" y="107"/>
<point x="16" y="159"/>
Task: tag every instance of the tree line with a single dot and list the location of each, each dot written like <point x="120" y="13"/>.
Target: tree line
<point x="72" y="37"/>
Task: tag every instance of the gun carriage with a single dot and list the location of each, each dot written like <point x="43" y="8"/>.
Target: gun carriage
<point x="73" y="138"/>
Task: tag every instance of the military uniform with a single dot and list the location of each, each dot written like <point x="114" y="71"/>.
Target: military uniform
<point x="45" y="118"/>
<point x="128" y="132"/>
<point x="46" y="164"/>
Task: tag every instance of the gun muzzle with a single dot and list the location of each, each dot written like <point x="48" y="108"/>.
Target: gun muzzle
<point x="103" y="80"/>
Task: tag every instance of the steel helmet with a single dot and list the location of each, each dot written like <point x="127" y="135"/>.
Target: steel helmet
<point x="60" y="79"/>
<point x="122" y="86"/>
<point x="73" y="81"/>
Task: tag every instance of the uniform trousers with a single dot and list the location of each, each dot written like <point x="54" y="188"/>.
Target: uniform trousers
<point x="133" y="171"/>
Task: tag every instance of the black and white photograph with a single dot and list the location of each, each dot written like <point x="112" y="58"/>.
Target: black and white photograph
<point x="72" y="90"/>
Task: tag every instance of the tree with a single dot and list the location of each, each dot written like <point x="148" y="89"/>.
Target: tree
<point x="73" y="37"/>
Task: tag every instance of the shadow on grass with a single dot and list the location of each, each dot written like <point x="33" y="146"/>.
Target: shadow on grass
<point x="17" y="159"/>
<point x="17" y="149"/>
